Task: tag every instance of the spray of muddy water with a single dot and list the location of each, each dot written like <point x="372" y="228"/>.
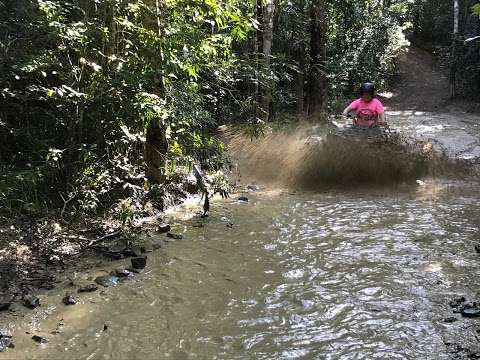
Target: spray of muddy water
<point x="306" y="157"/>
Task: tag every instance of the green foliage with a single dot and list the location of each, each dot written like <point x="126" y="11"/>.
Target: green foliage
<point x="82" y="81"/>
<point x="219" y="184"/>
<point x="25" y="191"/>
<point x="432" y="21"/>
<point x="364" y="43"/>
<point x="190" y="129"/>
<point x="476" y="9"/>
<point x="125" y="211"/>
<point x="255" y="129"/>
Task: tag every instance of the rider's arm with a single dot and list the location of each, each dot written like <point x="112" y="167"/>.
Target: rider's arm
<point x="347" y="110"/>
<point x="382" y="119"/>
<point x="381" y="113"/>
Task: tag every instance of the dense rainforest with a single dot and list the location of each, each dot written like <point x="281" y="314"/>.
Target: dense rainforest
<point x="105" y="105"/>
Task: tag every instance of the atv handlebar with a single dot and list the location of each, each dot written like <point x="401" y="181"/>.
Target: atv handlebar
<point x="349" y="116"/>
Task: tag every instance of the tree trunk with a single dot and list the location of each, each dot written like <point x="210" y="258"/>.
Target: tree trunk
<point x="317" y="77"/>
<point x="456" y="15"/>
<point x="156" y="147"/>
<point x="156" y="143"/>
<point x="268" y="13"/>
<point x="300" y="80"/>
<point x="453" y="69"/>
<point x="256" y="49"/>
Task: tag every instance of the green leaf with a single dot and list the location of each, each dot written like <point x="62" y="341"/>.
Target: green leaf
<point x="238" y="33"/>
<point x="476" y="9"/>
<point x="192" y="71"/>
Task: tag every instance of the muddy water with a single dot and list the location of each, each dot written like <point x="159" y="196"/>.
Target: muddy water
<point x="363" y="272"/>
<point x="333" y="275"/>
<point x="456" y="133"/>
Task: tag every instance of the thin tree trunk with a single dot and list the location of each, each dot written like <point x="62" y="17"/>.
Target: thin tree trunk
<point x="257" y="49"/>
<point x="453" y="69"/>
<point x="300" y="81"/>
<point x="456" y="15"/>
<point x="156" y="146"/>
<point x="156" y="143"/>
<point x="317" y="78"/>
<point x="268" y="13"/>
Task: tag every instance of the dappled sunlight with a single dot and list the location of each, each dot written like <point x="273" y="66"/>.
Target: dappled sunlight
<point x="23" y="252"/>
<point x="68" y="248"/>
<point x="187" y="210"/>
<point x="433" y="267"/>
<point x="386" y="94"/>
<point x="346" y="236"/>
<point x="406" y="113"/>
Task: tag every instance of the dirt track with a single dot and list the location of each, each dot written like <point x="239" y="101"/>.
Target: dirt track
<point x="419" y="105"/>
<point x="420" y="85"/>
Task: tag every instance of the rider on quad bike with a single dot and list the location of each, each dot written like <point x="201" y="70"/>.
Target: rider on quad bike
<point x="368" y="110"/>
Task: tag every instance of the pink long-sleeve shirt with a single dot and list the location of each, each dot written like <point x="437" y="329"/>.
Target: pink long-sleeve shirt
<point x="367" y="113"/>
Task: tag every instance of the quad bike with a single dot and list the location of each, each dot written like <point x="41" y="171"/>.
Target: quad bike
<point x="335" y="131"/>
<point x="381" y="134"/>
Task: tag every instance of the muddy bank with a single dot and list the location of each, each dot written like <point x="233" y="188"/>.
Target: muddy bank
<point x="37" y="253"/>
<point x="35" y="257"/>
<point x="36" y="288"/>
<point x="30" y="275"/>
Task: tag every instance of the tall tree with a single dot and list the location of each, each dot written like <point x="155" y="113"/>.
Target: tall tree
<point x="453" y="69"/>
<point x="300" y="53"/>
<point x="257" y="48"/>
<point x="317" y="80"/>
<point x="268" y="15"/>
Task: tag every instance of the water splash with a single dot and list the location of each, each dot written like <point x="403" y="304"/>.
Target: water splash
<point x="306" y="157"/>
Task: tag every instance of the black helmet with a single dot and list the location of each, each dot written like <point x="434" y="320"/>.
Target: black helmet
<point x="367" y="88"/>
